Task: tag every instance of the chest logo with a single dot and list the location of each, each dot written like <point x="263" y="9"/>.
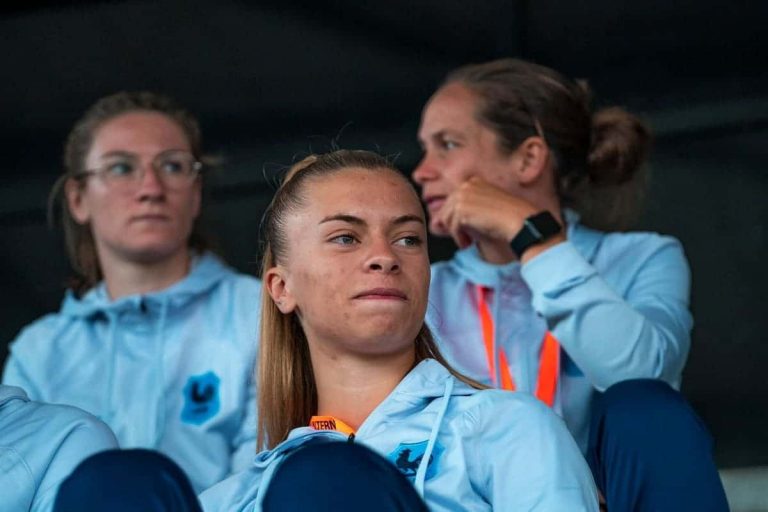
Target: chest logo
<point x="201" y="398"/>
<point x="407" y="457"/>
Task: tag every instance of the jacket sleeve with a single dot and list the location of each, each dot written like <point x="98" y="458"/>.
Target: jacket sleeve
<point x="90" y="437"/>
<point x="20" y="370"/>
<point x="524" y="458"/>
<point x="642" y="333"/>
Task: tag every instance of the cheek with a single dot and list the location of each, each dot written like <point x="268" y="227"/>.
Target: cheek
<point x="461" y="169"/>
<point x="188" y="206"/>
<point x="420" y="276"/>
<point x="105" y="215"/>
<point x="316" y="286"/>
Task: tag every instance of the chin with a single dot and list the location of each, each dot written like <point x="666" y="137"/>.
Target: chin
<point x="386" y="338"/>
<point x="154" y="253"/>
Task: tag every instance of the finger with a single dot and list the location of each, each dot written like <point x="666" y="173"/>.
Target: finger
<point x="455" y="227"/>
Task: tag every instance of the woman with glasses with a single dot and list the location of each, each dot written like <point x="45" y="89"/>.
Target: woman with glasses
<point x="157" y="336"/>
<point x="546" y="295"/>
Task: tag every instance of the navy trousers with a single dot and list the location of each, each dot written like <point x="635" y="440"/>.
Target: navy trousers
<point x="649" y="451"/>
<point x="127" y="481"/>
<point x="335" y="476"/>
<point x="323" y="476"/>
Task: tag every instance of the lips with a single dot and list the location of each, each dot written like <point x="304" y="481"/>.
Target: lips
<point x="434" y="202"/>
<point x="382" y="294"/>
<point x="150" y="217"/>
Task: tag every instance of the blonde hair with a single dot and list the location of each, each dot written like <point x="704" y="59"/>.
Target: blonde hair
<point x="286" y="382"/>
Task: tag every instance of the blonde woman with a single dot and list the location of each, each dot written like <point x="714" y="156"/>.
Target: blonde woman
<point x="345" y="358"/>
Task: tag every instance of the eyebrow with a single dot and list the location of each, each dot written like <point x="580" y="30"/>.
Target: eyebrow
<point x="118" y="152"/>
<point x="440" y="134"/>
<point x="130" y="154"/>
<point x="351" y="219"/>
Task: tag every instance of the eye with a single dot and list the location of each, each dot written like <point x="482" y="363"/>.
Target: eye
<point x="173" y="166"/>
<point x="119" y="168"/>
<point x="447" y="143"/>
<point x="410" y="241"/>
<point x="345" y="239"/>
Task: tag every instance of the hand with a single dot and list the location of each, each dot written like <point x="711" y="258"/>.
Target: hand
<point x="477" y="210"/>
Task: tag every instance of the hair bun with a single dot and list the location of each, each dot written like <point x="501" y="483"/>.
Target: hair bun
<point x="620" y="145"/>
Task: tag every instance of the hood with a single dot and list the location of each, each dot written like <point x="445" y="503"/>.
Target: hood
<point x="472" y="267"/>
<point x="425" y="382"/>
<point x="8" y="393"/>
<point x="298" y="437"/>
<point x="206" y="271"/>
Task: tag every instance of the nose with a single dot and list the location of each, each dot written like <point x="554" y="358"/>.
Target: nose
<point x="150" y="186"/>
<point x="382" y="259"/>
<point x="425" y="171"/>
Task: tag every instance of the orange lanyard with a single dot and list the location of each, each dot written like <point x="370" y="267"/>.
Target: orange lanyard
<point x="549" y="362"/>
<point x="330" y="423"/>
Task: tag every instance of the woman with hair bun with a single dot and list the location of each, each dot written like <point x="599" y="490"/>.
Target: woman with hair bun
<point x="546" y="295"/>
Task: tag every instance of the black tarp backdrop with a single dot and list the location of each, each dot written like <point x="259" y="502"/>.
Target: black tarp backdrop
<point x="273" y="80"/>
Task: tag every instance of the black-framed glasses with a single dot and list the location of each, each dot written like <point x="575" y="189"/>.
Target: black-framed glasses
<point x="175" y="169"/>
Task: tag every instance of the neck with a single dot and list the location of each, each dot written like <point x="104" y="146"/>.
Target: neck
<point x="351" y="387"/>
<point x="125" y="278"/>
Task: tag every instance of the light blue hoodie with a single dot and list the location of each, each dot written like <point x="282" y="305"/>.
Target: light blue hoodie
<point x="616" y="302"/>
<point x="169" y="370"/>
<point x="462" y="448"/>
<point x="40" y="445"/>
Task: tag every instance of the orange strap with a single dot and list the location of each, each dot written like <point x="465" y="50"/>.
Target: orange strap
<point x="330" y="423"/>
<point x="549" y="361"/>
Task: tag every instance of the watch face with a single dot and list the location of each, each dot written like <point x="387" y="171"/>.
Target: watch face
<point x="536" y="228"/>
<point x="546" y="224"/>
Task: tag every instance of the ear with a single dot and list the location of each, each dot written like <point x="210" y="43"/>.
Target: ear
<point x="534" y="159"/>
<point x="277" y="286"/>
<point x="78" y="207"/>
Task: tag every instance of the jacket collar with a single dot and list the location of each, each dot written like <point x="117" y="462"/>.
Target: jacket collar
<point x="205" y="272"/>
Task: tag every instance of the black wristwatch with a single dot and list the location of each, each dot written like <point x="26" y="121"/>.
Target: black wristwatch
<point x="536" y="229"/>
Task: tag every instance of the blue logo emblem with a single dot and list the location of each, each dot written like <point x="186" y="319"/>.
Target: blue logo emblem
<point x="201" y="398"/>
<point x="408" y="456"/>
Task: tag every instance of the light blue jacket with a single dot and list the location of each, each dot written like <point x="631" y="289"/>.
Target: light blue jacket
<point x="478" y="450"/>
<point x="40" y="445"/>
<point x="169" y="370"/>
<point x="616" y="302"/>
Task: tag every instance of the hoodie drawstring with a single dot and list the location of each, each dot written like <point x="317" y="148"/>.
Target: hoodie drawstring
<point x="160" y="372"/>
<point x="108" y="403"/>
<point x="421" y="473"/>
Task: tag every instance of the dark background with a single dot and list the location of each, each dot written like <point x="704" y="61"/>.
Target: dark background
<point x="275" y="79"/>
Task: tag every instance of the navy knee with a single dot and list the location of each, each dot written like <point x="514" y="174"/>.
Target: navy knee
<point x="335" y="475"/>
<point x="121" y="480"/>
<point x="649" y="407"/>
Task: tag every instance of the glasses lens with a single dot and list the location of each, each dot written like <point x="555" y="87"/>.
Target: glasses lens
<point x="118" y="170"/>
<point x="176" y="168"/>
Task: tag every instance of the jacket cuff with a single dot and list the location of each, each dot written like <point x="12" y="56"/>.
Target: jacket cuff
<point x="556" y="270"/>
